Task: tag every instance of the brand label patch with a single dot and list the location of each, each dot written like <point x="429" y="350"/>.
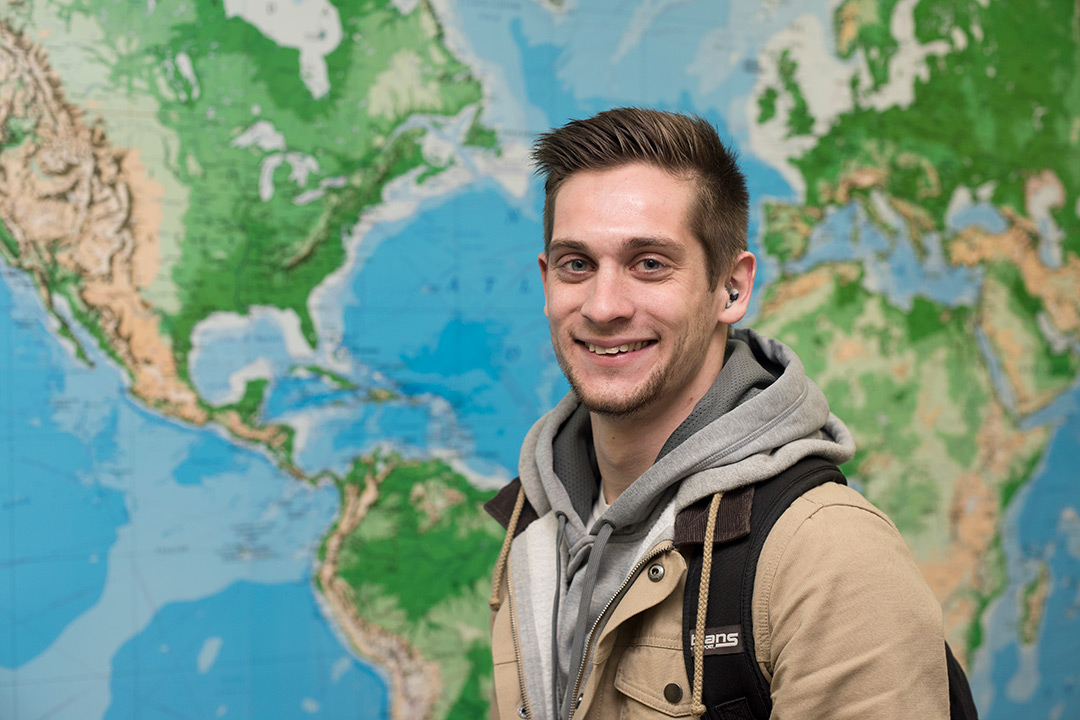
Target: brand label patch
<point x="721" y="641"/>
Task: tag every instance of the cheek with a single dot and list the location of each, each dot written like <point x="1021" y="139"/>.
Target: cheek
<point x="663" y="308"/>
<point x="694" y="319"/>
<point x="559" y="305"/>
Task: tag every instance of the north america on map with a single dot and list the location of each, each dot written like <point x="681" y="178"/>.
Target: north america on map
<point x="272" y="329"/>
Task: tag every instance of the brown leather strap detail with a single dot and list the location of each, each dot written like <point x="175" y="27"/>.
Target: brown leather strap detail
<point x="501" y="507"/>
<point x="732" y="520"/>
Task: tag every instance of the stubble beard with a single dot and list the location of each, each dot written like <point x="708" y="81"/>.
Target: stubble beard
<point x="638" y="399"/>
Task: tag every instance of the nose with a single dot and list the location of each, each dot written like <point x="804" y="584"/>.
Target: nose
<point x="608" y="297"/>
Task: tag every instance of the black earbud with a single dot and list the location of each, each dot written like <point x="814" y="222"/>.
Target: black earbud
<point x="733" y="295"/>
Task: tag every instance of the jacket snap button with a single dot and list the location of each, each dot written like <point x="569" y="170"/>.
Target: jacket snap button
<point x="521" y="712"/>
<point x="656" y="572"/>
<point x="673" y="693"/>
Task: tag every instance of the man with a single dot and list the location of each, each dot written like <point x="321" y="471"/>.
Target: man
<point x="644" y="270"/>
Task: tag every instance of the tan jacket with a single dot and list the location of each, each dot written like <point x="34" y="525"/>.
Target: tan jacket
<point x="844" y="627"/>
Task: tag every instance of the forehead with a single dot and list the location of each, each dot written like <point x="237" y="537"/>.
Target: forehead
<point x="632" y="198"/>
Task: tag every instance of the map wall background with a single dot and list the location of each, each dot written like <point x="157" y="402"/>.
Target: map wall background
<point x="272" y="327"/>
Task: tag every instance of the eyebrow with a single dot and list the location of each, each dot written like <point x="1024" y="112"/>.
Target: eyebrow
<point x="635" y="243"/>
<point x="647" y="242"/>
<point x="563" y="245"/>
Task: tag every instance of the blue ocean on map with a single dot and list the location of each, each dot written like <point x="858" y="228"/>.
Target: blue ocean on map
<point x="124" y="528"/>
<point x="252" y="651"/>
<point x="49" y="481"/>
<point x="894" y="267"/>
<point x="447" y="316"/>
<point x="465" y="324"/>
<point x="222" y="351"/>
<point x="983" y="215"/>
<point x="1042" y="525"/>
<point x="452" y="324"/>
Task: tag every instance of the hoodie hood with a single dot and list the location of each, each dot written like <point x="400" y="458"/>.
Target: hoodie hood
<point x="761" y="416"/>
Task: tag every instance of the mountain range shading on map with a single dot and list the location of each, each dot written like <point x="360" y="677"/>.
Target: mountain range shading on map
<point x="272" y="327"/>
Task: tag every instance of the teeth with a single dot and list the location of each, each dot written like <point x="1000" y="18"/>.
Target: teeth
<point x="617" y="349"/>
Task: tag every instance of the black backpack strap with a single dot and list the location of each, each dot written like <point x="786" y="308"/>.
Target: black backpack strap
<point x="745" y="518"/>
<point x="961" y="702"/>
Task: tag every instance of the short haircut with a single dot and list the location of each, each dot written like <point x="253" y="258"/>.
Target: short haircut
<point x="686" y="146"/>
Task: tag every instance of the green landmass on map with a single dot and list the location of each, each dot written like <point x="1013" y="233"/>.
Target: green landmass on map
<point x="984" y="115"/>
<point x="787" y="229"/>
<point x="886" y="373"/>
<point x="800" y="122"/>
<point x="336" y="379"/>
<point x="864" y="25"/>
<point x="240" y="249"/>
<point x="227" y="100"/>
<point x="1032" y="604"/>
<point x="1047" y="371"/>
<point x="930" y="434"/>
<point x="939" y="451"/>
<point x="248" y="405"/>
<point x="419" y="565"/>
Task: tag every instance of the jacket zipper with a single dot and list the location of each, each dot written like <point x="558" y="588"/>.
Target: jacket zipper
<point x="517" y="647"/>
<point x="657" y="551"/>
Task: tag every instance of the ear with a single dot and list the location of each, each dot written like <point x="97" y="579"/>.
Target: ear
<point x="542" y="261"/>
<point x="740" y="279"/>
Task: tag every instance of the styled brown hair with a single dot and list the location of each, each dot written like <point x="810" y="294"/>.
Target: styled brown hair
<point x="686" y="146"/>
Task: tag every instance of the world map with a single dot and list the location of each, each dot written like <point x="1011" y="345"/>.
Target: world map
<point x="272" y="327"/>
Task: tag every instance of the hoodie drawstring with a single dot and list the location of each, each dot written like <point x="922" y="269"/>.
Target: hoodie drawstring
<point x="697" y="709"/>
<point x="555" y="616"/>
<point x="504" y="553"/>
<point x="581" y="628"/>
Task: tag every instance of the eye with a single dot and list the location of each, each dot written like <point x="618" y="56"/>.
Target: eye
<point x="652" y="266"/>
<point x="573" y="268"/>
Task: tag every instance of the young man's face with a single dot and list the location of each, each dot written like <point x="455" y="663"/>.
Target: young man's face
<point x="635" y="324"/>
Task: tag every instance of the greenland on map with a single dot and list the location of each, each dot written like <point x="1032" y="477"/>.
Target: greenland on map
<point x="271" y="327"/>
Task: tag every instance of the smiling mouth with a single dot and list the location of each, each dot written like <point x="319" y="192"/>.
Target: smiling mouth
<point x="628" y="347"/>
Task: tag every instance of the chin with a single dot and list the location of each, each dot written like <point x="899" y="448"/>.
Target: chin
<point x="618" y="404"/>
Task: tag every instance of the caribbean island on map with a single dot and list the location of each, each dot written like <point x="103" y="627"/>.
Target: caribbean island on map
<point x="271" y="325"/>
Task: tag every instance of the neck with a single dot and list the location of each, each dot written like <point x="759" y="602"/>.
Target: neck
<point x="623" y="452"/>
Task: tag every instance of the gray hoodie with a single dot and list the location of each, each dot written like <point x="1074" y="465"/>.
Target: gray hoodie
<point x="761" y="415"/>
